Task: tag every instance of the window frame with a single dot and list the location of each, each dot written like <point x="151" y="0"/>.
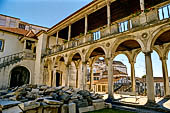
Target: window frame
<point x="122" y="27"/>
<point x="162" y="13"/>
<point x="97" y="35"/>
<point x="3" y="43"/>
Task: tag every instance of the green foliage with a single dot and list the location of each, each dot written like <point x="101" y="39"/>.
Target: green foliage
<point x="144" y="76"/>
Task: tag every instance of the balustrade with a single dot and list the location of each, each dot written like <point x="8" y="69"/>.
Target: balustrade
<point x="134" y="21"/>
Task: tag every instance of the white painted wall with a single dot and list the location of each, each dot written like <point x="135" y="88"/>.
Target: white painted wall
<point x="12" y="44"/>
<point x="6" y="71"/>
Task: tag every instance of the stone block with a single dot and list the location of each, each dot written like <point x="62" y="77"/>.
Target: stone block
<point x="86" y="109"/>
<point x="44" y="105"/>
<point x="14" y="109"/>
<point x="72" y="108"/>
<point x="8" y="103"/>
<point x="53" y="102"/>
<point x="99" y="105"/>
<point x="98" y="100"/>
<point x="31" y="111"/>
<point x="50" y="110"/>
<point x="29" y="105"/>
<point x="108" y="105"/>
<point x="64" y="108"/>
<point x="40" y="110"/>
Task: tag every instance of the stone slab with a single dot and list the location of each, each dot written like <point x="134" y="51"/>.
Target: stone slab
<point x="71" y="108"/>
<point x="86" y="109"/>
<point x="29" y="105"/>
<point x="108" y="105"/>
<point x="14" y="109"/>
<point x="99" y="105"/>
<point x="45" y="105"/>
<point x="98" y="100"/>
<point x="53" y="102"/>
<point x="8" y="103"/>
<point x="64" y="108"/>
<point x="50" y="110"/>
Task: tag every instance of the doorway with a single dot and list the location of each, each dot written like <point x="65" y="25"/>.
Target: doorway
<point x="19" y="76"/>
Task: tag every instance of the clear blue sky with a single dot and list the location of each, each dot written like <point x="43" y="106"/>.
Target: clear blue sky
<point x="49" y="12"/>
<point x="41" y="12"/>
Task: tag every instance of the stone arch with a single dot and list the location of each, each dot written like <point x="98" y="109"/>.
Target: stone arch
<point x="158" y="52"/>
<point x="19" y="75"/>
<point x="72" y="55"/>
<point x="58" y="58"/>
<point x="120" y="40"/>
<point x="167" y="51"/>
<point x="155" y="35"/>
<point x="92" y="48"/>
<point x="124" y="53"/>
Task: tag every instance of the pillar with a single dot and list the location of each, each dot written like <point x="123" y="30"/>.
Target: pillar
<point x="149" y="78"/>
<point x="84" y="77"/>
<point x="142" y="7"/>
<point x="110" y="77"/>
<point x="69" y="33"/>
<point x="165" y="75"/>
<point x="86" y="24"/>
<point x="142" y="15"/>
<point x="57" y="38"/>
<point x="67" y="75"/>
<point x="91" y="78"/>
<point x="77" y="70"/>
<point x="108" y="14"/>
<point x="133" y="76"/>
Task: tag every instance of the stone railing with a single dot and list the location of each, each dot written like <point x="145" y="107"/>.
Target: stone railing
<point x="151" y="17"/>
<point x="15" y="58"/>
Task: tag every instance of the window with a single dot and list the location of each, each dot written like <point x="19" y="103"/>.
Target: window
<point x="103" y="88"/>
<point x="164" y="12"/>
<point x="99" y="88"/>
<point x="125" y="26"/>
<point x="1" y="45"/>
<point x="29" y="44"/>
<point x="96" y="35"/>
<point x="22" y="26"/>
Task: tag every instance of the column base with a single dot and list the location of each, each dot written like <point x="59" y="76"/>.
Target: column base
<point x="167" y="96"/>
<point x="110" y="99"/>
<point x="152" y="104"/>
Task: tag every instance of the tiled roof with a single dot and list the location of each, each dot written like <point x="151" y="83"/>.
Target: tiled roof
<point x="18" y="31"/>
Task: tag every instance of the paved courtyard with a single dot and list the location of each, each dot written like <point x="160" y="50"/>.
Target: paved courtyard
<point x="140" y="100"/>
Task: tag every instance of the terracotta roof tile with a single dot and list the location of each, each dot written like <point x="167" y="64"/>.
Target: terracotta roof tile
<point x="19" y="31"/>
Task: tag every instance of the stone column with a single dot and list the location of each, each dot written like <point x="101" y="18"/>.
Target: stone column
<point x="110" y="77"/>
<point x="57" y="38"/>
<point x="67" y="75"/>
<point x="142" y="6"/>
<point x="149" y="78"/>
<point x="133" y="76"/>
<point x="69" y="33"/>
<point x="84" y="77"/>
<point x="91" y="78"/>
<point x="165" y="75"/>
<point x="86" y="24"/>
<point x="77" y="70"/>
<point x="142" y="15"/>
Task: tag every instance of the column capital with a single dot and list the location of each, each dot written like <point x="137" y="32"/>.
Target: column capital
<point x="108" y="2"/>
<point x="163" y="58"/>
<point x="147" y="53"/>
<point x="132" y="62"/>
<point x="84" y="62"/>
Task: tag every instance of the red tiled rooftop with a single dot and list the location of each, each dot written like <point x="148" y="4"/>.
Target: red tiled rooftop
<point x="18" y="31"/>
